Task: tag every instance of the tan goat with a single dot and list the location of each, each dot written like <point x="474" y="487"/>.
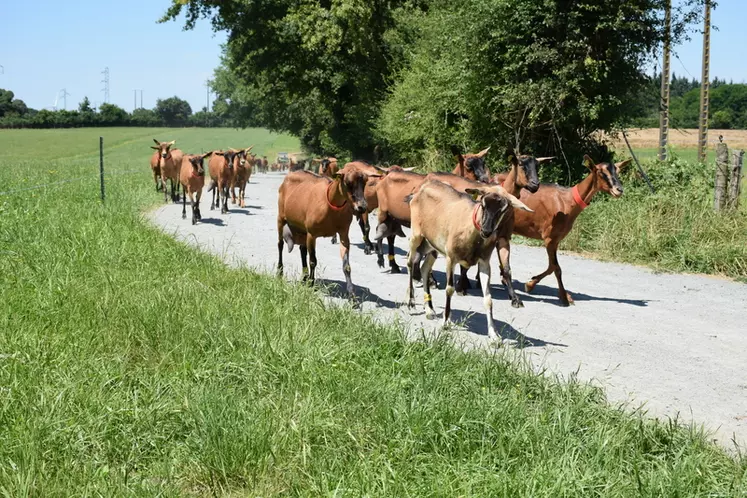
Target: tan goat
<point x="170" y="165"/>
<point x="192" y="178"/>
<point x="464" y="227"/>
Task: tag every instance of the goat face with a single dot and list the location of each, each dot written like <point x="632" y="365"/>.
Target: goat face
<point x="324" y="167"/>
<point x="354" y="184"/>
<point x="526" y="172"/>
<point x="230" y="158"/>
<point x="494" y="208"/>
<point x="607" y="175"/>
<point x="476" y="165"/>
<point x="198" y="168"/>
<point x="164" y="150"/>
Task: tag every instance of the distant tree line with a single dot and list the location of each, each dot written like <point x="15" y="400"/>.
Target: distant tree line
<point x="728" y="104"/>
<point x="173" y="111"/>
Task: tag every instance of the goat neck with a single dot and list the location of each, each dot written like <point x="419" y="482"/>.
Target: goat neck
<point x="587" y="189"/>
<point x="336" y="198"/>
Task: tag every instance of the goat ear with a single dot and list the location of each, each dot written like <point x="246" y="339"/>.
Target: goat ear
<point x="171" y="143"/>
<point x="588" y="162"/>
<point x="517" y="204"/>
<point x="622" y="166"/>
<point x="217" y="152"/>
<point x="157" y="142"/>
<point x="206" y="154"/>
<point x="512" y="160"/>
<point x="476" y="193"/>
<point x="155" y="148"/>
<point x="483" y="152"/>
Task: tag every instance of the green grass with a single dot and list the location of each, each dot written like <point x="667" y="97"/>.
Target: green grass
<point x="675" y="229"/>
<point x="131" y="364"/>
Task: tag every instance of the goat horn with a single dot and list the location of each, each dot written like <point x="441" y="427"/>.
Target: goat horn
<point x="157" y="142"/>
<point x="413" y="168"/>
<point x="517" y="204"/>
<point x="545" y="159"/>
<point x="172" y="142"/>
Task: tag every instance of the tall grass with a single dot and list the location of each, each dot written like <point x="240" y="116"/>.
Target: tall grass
<point x="674" y="229"/>
<point x="131" y="364"/>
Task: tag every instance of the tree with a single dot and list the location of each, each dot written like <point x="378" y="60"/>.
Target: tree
<point x="145" y="118"/>
<point x="173" y="111"/>
<point x="85" y="106"/>
<point x="6" y="98"/>
<point x="112" y="115"/>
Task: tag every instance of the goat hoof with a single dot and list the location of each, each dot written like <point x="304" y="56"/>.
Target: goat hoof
<point x="366" y="250"/>
<point x="529" y="286"/>
<point x="517" y="303"/>
<point x="430" y="314"/>
<point x="570" y="299"/>
<point x="494" y="337"/>
<point x="395" y="269"/>
<point x="184" y="216"/>
<point x="194" y="220"/>
<point x="380" y="261"/>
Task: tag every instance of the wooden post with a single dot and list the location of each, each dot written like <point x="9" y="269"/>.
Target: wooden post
<point x="735" y="179"/>
<point x="101" y="166"/>
<point x="664" y="104"/>
<point x="722" y="176"/>
<point x="705" y="85"/>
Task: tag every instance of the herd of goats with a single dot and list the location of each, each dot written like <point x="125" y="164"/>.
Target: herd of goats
<point x="464" y="215"/>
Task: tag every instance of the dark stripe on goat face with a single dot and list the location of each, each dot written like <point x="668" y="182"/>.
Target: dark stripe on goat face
<point x="529" y="165"/>
<point x="229" y="156"/>
<point x="476" y="165"/>
<point x="354" y="184"/>
<point x="197" y="165"/>
<point x="494" y="208"/>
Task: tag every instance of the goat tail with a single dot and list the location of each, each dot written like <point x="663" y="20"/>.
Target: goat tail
<point x="288" y="238"/>
<point x="212" y="186"/>
<point x="409" y="198"/>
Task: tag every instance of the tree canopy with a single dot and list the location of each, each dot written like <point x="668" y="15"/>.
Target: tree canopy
<point x="344" y="75"/>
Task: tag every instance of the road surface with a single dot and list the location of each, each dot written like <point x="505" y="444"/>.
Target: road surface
<point x="675" y="343"/>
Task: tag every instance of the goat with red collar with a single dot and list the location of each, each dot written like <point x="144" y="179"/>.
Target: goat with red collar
<point x="464" y="227"/>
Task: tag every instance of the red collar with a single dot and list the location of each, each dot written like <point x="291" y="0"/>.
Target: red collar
<point x="329" y="203"/>
<point x="577" y="198"/>
<point x="195" y="175"/>
<point x="474" y="218"/>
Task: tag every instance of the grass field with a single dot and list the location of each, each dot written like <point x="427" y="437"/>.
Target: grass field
<point x="133" y="365"/>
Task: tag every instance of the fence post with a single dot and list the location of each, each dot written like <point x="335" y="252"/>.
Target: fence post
<point x="735" y="178"/>
<point x="101" y="165"/>
<point x="722" y="176"/>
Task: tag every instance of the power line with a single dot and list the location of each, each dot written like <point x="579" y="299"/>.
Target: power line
<point x="207" y="100"/>
<point x="105" y="81"/>
<point x="141" y="99"/>
<point x="64" y="97"/>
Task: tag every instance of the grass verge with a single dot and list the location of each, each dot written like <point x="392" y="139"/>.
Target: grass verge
<point x="131" y="364"/>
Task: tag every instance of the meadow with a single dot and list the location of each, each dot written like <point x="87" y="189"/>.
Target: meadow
<point x="131" y="364"/>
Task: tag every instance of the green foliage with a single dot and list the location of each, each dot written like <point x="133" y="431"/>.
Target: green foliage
<point x="134" y="365"/>
<point x="675" y="229"/>
<point x="173" y="111"/>
<point x="422" y="75"/>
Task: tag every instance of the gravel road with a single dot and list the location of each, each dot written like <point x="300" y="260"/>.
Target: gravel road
<point x="675" y="343"/>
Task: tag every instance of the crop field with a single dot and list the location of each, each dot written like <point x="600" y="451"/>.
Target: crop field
<point x="131" y="364"/>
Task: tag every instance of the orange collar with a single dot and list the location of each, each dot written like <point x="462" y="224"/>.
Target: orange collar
<point x="474" y="218"/>
<point x="329" y="203"/>
<point x="577" y="198"/>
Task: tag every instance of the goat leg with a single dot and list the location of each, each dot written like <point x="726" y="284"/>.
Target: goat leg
<point x="484" y="268"/>
<point x="565" y="297"/>
<point x="197" y="205"/>
<point x="345" y="255"/>
<point x="304" y="265"/>
<point x="393" y="266"/>
<point x="463" y="284"/>
<point x="412" y="264"/>
<point x="449" y="289"/>
<point x="311" y="246"/>
<point x="430" y="258"/>
<point x="184" y="205"/>
<point x="165" y="190"/>
<point x="281" y="226"/>
<point x="504" y="257"/>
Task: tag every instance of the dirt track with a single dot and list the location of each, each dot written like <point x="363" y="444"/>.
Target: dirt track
<point x="677" y="343"/>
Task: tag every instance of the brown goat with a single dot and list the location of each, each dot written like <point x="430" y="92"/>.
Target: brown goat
<point x="222" y="174"/>
<point x="556" y="209"/>
<point x="471" y="166"/>
<point x="464" y="231"/>
<point x="155" y="167"/>
<point x="243" y="165"/>
<point x="265" y="164"/>
<point x="312" y="206"/>
<point x="192" y="178"/>
<point x="170" y="166"/>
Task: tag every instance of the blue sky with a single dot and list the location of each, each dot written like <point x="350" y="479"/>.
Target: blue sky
<point x="48" y="45"/>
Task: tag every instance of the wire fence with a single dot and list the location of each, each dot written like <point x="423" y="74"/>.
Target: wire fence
<point x="66" y="181"/>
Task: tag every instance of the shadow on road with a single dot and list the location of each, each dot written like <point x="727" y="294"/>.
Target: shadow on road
<point x="474" y="322"/>
<point x="213" y="221"/>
